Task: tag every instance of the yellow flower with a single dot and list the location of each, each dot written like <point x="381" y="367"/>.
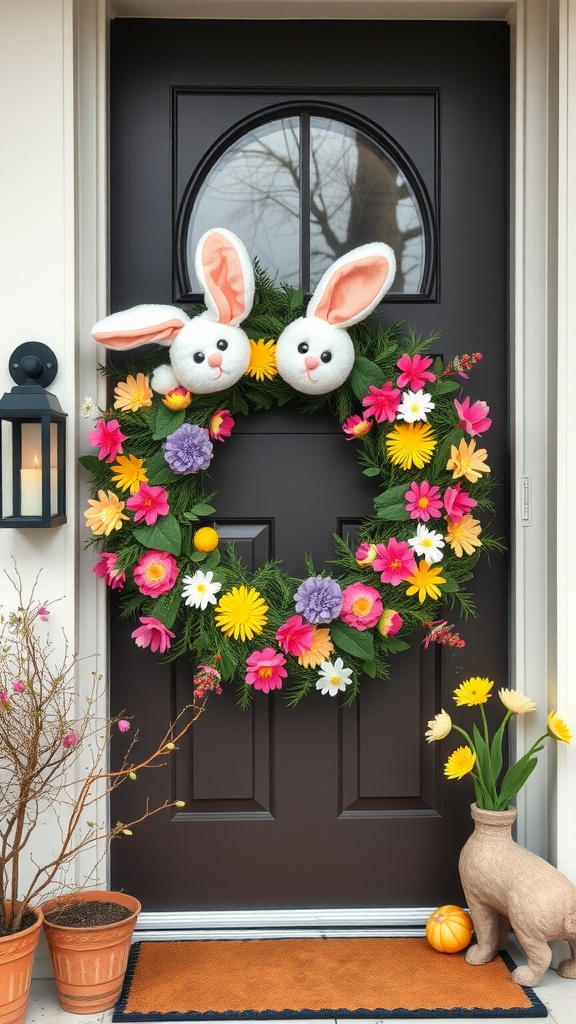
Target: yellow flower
<point x="241" y="613"/>
<point x="129" y="473"/>
<point x="473" y="691"/>
<point x="410" y="444"/>
<point x="557" y="728"/>
<point x="439" y="727"/>
<point x="322" y="647"/>
<point x="466" y="461"/>
<point x="206" y="539"/>
<point x="178" y="399"/>
<point x="425" y="581"/>
<point x="464" y="535"/>
<point x="133" y="393"/>
<point x="262" y="359"/>
<point x="516" y="702"/>
<point x="460" y="763"/>
<point x="105" y="514"/>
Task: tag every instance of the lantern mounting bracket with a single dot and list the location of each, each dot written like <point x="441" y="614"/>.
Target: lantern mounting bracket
<point x="33" y="363"/>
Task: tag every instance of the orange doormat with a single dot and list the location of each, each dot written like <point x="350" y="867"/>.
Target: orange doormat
<point x="290" y="978"/>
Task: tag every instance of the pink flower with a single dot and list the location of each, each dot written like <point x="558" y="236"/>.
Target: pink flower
<point x="108" y="437"/>
<point x="70" y="739"/>
<point x="356" y="426"/>
<point x="152" y="634"/>
<point x="395" y="561"/>
<point x="19" y="686"/>
<point x="457" y="503"/>
<point x="3" y="697"/>
<point x="390" y="622"/>
<point x="221" y="424"/>
<point x="366" y="553"/>
<point x="382" y="403"/>
<point x="149" y="502"/>
<point x="123" y="725"/>
<point x="43" y="613"/>
<point x="155" y="573"/>
<point x="361" y="606"/>
<point x="105" y="569"/>
<point x="415" y="371"/>
<point x="473" y="418"/>
<point x="423" y="501"/>
<point x="206" y="678"/>
<point x="295" y="636"/>
<point x="265" y="670"/>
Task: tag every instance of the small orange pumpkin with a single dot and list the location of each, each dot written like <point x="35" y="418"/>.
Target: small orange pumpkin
<point x="449" y="929"/>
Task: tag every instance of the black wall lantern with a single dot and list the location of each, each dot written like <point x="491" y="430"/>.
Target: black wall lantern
<point x="32" y="443"/>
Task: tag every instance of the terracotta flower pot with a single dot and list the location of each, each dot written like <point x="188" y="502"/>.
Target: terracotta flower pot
<point x="16" y="957"/>
<point x="90" y="963"/>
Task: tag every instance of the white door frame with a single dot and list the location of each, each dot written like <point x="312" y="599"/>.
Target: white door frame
<point x="543" y="318"/>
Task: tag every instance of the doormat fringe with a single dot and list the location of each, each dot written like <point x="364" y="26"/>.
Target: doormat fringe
<point x="276" y="979"/>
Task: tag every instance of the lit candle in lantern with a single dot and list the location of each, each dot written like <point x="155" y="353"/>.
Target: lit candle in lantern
<point x="31" y="490"/>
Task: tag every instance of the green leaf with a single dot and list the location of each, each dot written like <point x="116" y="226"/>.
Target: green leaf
<point x="158" y="471"/>
<point x="369" y="667"/>
<point x="164" y="535"/>
<point x="297" y="300"/>
<point x="390" y="497"/>
<point x="198" y="556"/>
<point x="514" y="780"/>
<point x="191" y="517"/>
<point x="482" y="759"/>
<point x="443" y="387"/>
<point x="167" y="421"/>
<point x="396" y="513"/>
<point x="394" y="645"/>
<point x="372" y="471"/>
<point x="227" y="665"/>
<point x="364" y="374"/>
<point x="212" y="560"/>
<point x="166" y="607"/>
<point x="496" y="749"/>
<point x="92" y="463"/>
<point x="451" y="586"/>
<point x="203" y="509"/>
<point x="352" y="641"/>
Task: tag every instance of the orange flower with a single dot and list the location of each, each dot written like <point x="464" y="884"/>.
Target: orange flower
<point x="319" y="651"/>
<point x="177" y="399"/>
<point x="133" y="393"/>
<point x="464" y="535"/>
<point x="105" y="513"/>
<point x="466" y="461"/>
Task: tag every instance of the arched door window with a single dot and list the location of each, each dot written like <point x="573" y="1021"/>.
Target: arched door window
<point x="301" y="188"/>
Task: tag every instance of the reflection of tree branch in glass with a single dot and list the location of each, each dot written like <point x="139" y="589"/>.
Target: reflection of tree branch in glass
<point x="357" y="194"/>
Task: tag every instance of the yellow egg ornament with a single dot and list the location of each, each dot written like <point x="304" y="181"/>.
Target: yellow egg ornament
<point x="205" y="539"/>
<point x="449" y="929"/>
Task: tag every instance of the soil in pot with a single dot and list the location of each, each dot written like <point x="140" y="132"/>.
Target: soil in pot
<point x="88" y="914"/>
<point x="28" y="919"/>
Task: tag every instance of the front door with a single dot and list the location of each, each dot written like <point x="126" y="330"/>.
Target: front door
<point x="315" y="806"/>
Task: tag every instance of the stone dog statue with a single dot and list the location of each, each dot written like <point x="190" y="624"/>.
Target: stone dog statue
<point x="507" y="887"/>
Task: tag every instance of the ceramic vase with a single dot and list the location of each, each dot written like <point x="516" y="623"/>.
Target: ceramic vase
<point x="16" y="959"/>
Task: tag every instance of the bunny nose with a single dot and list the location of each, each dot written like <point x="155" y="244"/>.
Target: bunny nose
<point x="311" y="362"/>
<point x="215" y="359"/>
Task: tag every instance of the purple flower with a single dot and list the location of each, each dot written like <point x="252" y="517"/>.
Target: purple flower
<point x="188" y="449"/>
<point x="70" y="739"/>
<point x="123" y="725"/>
<point x="319" y="599"/>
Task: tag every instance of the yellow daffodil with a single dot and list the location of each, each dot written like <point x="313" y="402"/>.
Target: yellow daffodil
<point x="262" y="360"/>
<point x="557" y="728"/>
<point x="439" y="727"/>
<point x="460" y="763"/>
<point x="473" y="691"/>
<point x="321" y="649"/>
<point x="464" y="535"/>
<point x="133" y="393"/>
<point x="425" y="581"/>
<point x="516" y="702"/>
<point x="410" y="444"/>
<point x="129" y="473"/>
<point x="466" y="461"/>
<point x="105" y="513"/>
<point x="241" y="613"/>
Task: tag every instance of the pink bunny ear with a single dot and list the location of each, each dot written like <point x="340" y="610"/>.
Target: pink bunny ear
<point x="352" y="287"/>
<point x="224" y="269"/>
<point x="140" y="325"/>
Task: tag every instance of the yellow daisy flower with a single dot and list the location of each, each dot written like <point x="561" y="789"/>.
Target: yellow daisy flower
<point x="425" y="581"/>
<point x="410" y="444"/>
<point x="129" y="473"/>
<point x="460" y="763"/>
<point x="516" y="702"/>
<point x="133" y="393"/>
<point x="438" y="727"/>
<point x="105" y="513"/>
<point x="557" y="728"/>
<point x="464" y="535"/>
<point x="262" y="360"/>
<point x="321" y="649"/>
<point x="473" y="691"/>
<point x="466" y="461"/>
<point x="241" y="613"/>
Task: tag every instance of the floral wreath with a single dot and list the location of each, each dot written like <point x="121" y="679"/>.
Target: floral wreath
<point x="156" y="530"/>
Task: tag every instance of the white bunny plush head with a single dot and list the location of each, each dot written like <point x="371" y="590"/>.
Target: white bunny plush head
<point x="209" y="352"/>
<point x="315" y="353"/>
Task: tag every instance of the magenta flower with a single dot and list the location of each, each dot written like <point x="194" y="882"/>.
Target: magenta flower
<point x="19" y="686"/>
<point x="295" y="636"/>
<point x="123" y="725"/>
<point x="382" y="403"/>
<point x="366" y="553"/>
<point x="474" y="419"/>
<point x="423" y="501"/>
<point x="361" y="606"/>
<point x="221" y="425"/>
<point x="265" y="670"/>
<point x="155" y="573"/>
<point x="356" y="426"/>
<point x="108" y="437"/>
<point x="70" y="739"/>
<point x="390" y="622"/>
<point x="395" y="561"/>
<point x="457" y="503"/>
<point x="149" y="502"/>
<point x="415" y="371"/>
<point x="43" y="613"/>
<point x="152" y="634"/>
<point x="3" y="697"/>
<point x="105" y="569"/>
<point x="206" y="678"/>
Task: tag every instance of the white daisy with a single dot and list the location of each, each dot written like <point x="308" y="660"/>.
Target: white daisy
<point x="428" y="543"/>
<point x="88" y="408"/>
<point x="199" y="590"/>
<point x="333" y="677"/>
<point x="415" y="405"/>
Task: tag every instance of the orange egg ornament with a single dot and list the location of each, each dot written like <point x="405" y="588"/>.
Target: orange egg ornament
<point x="449" y="929"/>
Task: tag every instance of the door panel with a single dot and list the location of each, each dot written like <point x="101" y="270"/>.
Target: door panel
<point x="315" y="806"/>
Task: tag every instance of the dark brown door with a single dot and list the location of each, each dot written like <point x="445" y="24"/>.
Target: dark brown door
<point x="315" y="806"/>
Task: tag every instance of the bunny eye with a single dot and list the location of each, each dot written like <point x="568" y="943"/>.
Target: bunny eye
<point x="222" y="344"/>
<point x="326" y="357"/>
<point x="303" y="347"/>
<point x="199" y="357"/>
